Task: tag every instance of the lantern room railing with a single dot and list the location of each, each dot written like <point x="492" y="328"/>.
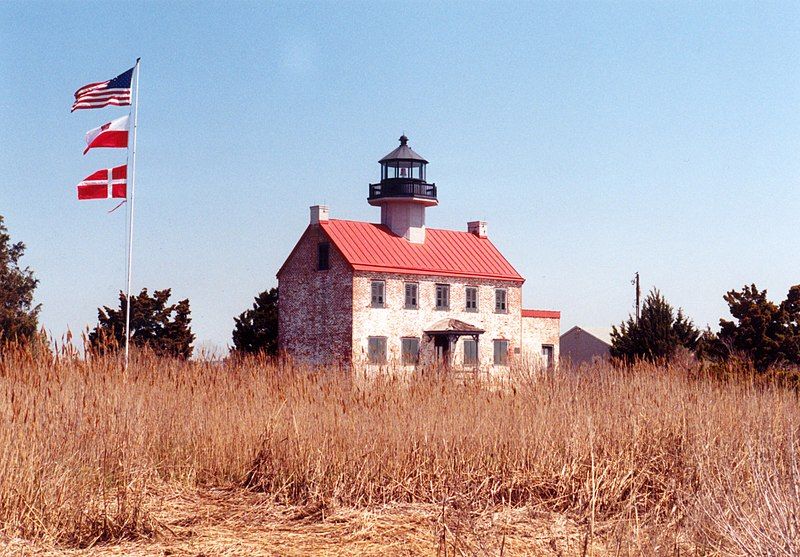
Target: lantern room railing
<point x="402" y="187"/>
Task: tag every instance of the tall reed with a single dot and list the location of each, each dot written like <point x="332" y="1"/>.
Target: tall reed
<point x="86" y="450"/>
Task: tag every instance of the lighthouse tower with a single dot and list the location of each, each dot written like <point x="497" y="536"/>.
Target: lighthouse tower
<point x="403" y="194"/>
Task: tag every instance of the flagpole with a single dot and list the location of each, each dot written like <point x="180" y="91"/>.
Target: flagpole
<point x="130" y="218"/>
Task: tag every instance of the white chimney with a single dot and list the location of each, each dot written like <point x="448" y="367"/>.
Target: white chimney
<point x="477" y="227"/>
<point x="319" y="213"/>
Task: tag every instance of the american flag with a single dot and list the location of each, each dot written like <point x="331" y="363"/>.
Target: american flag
<point x="115" y="91"/>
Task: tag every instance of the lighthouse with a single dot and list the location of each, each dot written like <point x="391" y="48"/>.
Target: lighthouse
<point x="403" y="194"/>
<point x="403" y="294"/>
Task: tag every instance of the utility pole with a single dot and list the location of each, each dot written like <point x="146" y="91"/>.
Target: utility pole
<point x="635" y="282"/>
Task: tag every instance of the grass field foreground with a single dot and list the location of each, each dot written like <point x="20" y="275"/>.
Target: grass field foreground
<point x="651" y="460"/>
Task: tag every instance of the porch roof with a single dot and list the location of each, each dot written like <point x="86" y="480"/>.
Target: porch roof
<point x="453" y="327"/>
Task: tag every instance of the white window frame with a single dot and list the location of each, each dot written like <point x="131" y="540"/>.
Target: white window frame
<point x="548" y="355"/>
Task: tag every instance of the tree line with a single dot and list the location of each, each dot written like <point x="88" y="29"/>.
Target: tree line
<point x="155" y="323"/>
<point x="762" y="333"/>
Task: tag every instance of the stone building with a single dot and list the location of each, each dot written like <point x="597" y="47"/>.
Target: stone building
<point x="403" y="294"/>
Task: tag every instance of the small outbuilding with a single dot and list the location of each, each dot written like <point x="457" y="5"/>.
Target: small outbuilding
<point x="579" y="346"/>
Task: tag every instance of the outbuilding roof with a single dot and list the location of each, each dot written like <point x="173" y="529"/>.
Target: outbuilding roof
<point x="373" y="247"/>
<point x="601" y="334"/>
<point x="541" y="313"/>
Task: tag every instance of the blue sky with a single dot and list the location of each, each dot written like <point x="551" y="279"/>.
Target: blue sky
<point x="597" y="139"/>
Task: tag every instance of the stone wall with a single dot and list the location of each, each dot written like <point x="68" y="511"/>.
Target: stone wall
<point x="395" y="322"/>
<point x="326" y="317"/>
<point x="316" y="307"/>
<point x="536" y="332"/>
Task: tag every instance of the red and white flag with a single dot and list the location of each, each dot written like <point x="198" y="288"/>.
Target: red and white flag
<point x="105" y="184"/>
<point x="114" y="134"/>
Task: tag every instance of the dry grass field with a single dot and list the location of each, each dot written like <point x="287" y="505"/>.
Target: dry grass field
<point x="257" y="458"/>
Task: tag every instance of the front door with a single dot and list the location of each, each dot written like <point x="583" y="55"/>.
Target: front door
<point x="441" y="345"/>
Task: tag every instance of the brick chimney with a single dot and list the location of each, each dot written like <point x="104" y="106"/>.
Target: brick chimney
<point x="319" y="213"/>
<point x="477" y="227"/>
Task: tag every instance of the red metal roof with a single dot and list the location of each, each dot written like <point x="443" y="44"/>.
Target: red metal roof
<point x="546" y="313"/>
<point x="373" y="247"/>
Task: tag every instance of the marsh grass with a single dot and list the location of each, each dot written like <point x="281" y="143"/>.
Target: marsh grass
<point x="637" y="455"/>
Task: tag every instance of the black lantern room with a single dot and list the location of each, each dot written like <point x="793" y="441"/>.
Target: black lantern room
<point x="402" y="176"/>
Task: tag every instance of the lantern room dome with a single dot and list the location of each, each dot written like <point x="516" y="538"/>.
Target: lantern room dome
<point x="403" y="153"/>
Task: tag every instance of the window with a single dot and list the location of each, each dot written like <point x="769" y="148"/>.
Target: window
<point x="323" y="256"/>
<point x="411" y="295"/>
<point x="376" y="350"/>
<point x="547" y="355"/>
<point x="470" y="352"/>
<point x="500" y="352"/>
<point x="500" y="305"/>
<point x="472" y="299"/>
<point x="442" y="296"/>
<point x="409" y="351"/>
<point x="378" y="290"/>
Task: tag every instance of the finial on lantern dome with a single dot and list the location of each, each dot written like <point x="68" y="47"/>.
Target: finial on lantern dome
<point x="403" y="140"/>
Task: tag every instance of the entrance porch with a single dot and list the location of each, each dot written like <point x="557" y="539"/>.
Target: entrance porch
<point x="444" y="335"/>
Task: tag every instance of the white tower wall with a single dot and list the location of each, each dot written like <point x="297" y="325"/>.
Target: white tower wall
<point x="406" y="219"/>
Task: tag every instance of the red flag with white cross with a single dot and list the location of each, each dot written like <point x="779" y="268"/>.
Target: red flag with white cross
<point x="105" y="184"/>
